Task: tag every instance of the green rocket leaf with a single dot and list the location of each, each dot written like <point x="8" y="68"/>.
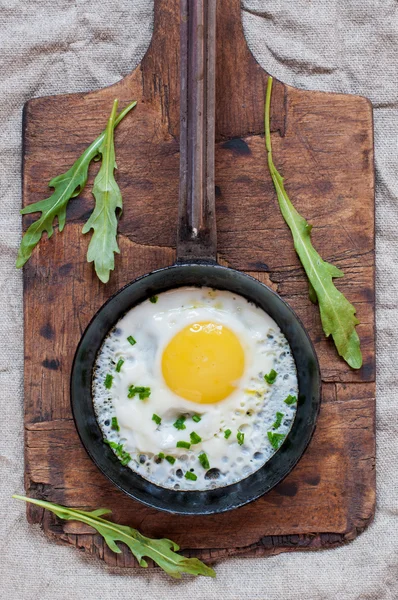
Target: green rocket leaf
<point x="108" y="200"/>
<point x="337" y="314"/>
<point x="66" y="186"/>
<point x="162" y="552"/>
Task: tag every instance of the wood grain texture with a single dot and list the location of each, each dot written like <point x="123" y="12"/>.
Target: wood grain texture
<point x="324" y="147"/>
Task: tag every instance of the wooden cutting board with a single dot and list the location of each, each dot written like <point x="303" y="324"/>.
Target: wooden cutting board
<point x="323" y="144"/>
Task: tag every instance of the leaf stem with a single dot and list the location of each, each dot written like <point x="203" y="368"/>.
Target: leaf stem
<point x="267" y="118"/>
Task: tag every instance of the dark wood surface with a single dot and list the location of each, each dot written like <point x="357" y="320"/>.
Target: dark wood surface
<point x="323" y="144"/>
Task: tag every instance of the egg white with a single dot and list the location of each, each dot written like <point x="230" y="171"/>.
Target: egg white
<point x="250" y="409"/>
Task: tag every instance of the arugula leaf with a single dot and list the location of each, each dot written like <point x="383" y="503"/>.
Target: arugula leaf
<point x="337" y="314"/>
<point x="66" y="186"/>
<point x="162" y="552"/>
<point x="108" y="199"/>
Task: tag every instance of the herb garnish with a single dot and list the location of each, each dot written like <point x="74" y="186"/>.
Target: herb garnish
<point x="183" y="444"/>
<point x="108" y="381"/>
<point x="157" y="419"/>
<point x="337" y="314"/>
<point x="66" y="186"/>
<point x="278" y="420"/>
<point x="196" y="418"/>
<point x="120" y="452"/>
<point x="119" y="365"/>
<point x="153" y="299"/>
<point x="115" y="424"/>
<point x="179" y="424"/>
<point x="161" y="551"/>
<point x="131" y="340"/>
<point x="290" y="400"/>
<point x="161" y="455"/>
<point x="227" y="433"/>
<point x="270" y="378"/>
<point x="195" y="438"/>
<point x="240" y="436"/>
<point x="276" y="439"/>
<point x="170" y="459"/>
<point x="191" y="476"/>
<point x="204" y="461"/>
<point x="143" y="392"/>
<point x="108" y="202"/>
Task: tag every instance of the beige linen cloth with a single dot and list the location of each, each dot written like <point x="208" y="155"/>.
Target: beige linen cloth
<point x="58" y="46"/>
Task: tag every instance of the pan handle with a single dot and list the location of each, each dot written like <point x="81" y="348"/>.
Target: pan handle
<point x="197" y="237"/>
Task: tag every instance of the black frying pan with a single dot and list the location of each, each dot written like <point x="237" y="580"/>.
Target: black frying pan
<point x="196" y="266"/>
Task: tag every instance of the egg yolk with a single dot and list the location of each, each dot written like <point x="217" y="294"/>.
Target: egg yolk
<point x="203" y="362"/>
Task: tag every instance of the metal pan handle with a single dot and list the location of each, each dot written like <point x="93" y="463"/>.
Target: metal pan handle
<point x="197" y="237"/>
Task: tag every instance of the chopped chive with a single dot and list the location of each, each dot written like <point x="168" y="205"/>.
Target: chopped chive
<point x="170" y="459"/>
<point x="131" y="392"/>
<point x="240" y="437"/>
<point x="160" y="455"/>
<point x="227" y="433"/>
<point x="153" y="299"/>
<point x="182" y="444"/>
<point x="179" y="424"/>
<point x="115" y="424"/>
<point x="108" y="381"/>
<point x="157" y="419"/>
<point x="204" y="461"/>
<point x="195" y="438"/>
<point x="278" y="420"/>
<point x="125" y="458"/>
<point x="291" y="399"/>
<point x="143" y="392"/>
<point x="120" y="453"/>
<point x="270" y="378"/>
<point x="275" y="439"/>
<point x="196" y="418"/>
<point x="119" y="365"/>
<point x="131" y="340"/>
<point x="191" y="476"/>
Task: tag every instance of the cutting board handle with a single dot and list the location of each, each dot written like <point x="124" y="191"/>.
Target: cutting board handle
<point x="238" y="112"/>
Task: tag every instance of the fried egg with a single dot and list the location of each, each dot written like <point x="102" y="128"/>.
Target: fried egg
<point x="195" y="388"/>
